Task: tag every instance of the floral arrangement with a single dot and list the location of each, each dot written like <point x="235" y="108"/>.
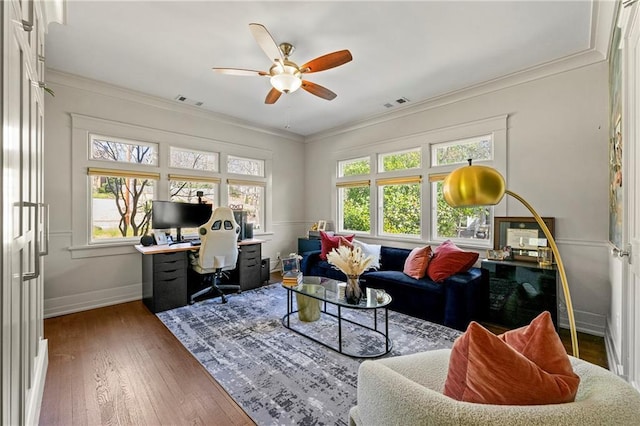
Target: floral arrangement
<point x="350" y="260"/>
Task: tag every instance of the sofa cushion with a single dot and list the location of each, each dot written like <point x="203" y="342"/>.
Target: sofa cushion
<point x="330" y="242"/>
<point x="372" y="250"/>
<point x="486" y="369"/>
<point x="416" y="263"/>
<point x="448" y="259"/>
<point x="392" y="258"/>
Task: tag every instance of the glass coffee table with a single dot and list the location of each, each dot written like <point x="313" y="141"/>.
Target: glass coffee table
<point x="313" y="296"/>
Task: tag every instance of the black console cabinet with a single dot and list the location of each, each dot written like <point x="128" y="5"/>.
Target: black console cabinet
<point x="519" y="291"/>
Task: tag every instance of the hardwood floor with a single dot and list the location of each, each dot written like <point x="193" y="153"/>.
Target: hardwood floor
<point x="119" y="365"/>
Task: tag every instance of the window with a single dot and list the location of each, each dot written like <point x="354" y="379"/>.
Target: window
<point x="355" y="167"/>
<point x="400" y="161"/>
<point x="123" y="151"/>
<point x="354" y="206"/>
<point x="121" y="197"/>
<point x="399" y="206"/>
<point x="185" y="188"/>
<point x="120" y="203"/>
<point x="459" y="151"/>
<point x="250" y="196"/>
<point x="114" y="180"/>
<point x="460" y="223"/>
<point x="245" y="166"/>
<point x="193" y="160"/>
<point x="389" y="198"/>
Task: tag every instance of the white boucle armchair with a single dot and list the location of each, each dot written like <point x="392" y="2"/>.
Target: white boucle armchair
<point x="407" y="390"/>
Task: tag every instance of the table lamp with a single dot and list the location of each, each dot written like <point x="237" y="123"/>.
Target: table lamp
<point x="472" y="186"/>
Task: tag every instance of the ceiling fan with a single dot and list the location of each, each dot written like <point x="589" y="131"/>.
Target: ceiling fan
<point x="285" y="75"/>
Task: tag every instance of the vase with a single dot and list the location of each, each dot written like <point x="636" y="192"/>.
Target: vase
<point x="352" y="292"/>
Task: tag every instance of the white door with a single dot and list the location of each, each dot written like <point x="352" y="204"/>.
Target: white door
<point x="21" y="216"/>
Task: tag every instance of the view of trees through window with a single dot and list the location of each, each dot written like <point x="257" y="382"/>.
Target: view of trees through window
<point x="460" y="222"/>
<point x="399" y="196"/>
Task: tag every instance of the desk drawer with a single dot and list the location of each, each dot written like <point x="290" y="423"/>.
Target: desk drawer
<point x="250" y="250"/>
<point x="169" y="293"/>
<point x="169" y="257"/>
<point x="170" y="274"/>
<point x="170" y="266"/>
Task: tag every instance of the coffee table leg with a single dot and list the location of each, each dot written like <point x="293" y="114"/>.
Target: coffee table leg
<point x="339" y="329"/>
<point x="375" y="319"/>
<point x="386" y="329"/>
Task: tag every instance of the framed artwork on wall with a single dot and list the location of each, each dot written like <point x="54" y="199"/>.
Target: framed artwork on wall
<point x="615" y="143"/>
<point x="521" y="235"/>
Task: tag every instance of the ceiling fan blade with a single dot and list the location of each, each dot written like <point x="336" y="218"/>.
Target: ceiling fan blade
<point x="239" y="71"/>
<point x="266" y="42"/>
<point x="316" y="89"/>
<point x="272" y="96"/>
<point x="328" y="61"/>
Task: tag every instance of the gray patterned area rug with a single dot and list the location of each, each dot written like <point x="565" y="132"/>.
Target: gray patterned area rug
<point x="277" y="376"/>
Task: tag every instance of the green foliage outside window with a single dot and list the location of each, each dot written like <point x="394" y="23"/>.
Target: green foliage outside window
<point x="401" y="161"/>
<point x="478" y="149"/>
<point x="401" y="209"/>
<point x="450" y="219"/>
<point x="355" y="204"/>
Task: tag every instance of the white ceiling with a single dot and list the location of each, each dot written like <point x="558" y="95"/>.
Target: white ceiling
<point x="418" y="50"/>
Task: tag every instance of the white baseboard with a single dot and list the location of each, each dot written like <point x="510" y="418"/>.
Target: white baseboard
<point x="34" y="396"/>
<point x="586" y="322"/>
<point x="57" y="306"/>
<point x="613" y="357"/>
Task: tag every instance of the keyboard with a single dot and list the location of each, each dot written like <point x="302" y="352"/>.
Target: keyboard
<point x="194" y="242"/>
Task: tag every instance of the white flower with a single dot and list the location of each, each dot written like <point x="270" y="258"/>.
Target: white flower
<point x="351" y="261"/>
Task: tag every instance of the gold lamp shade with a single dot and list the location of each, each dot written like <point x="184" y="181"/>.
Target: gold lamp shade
<point x="473" y="186"/>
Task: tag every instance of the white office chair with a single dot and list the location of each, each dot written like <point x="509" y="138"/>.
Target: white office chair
<point x="218" y="252"/>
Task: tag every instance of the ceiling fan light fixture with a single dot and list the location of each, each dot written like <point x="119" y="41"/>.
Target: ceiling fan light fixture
<point x="286" y="79"/>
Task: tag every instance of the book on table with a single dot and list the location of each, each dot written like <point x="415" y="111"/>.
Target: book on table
<point x="292" y="278"/>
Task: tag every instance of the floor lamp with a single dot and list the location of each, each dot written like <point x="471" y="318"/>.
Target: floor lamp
<point x="472" y="186"/>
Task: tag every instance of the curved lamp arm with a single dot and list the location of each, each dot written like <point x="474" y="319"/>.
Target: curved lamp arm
<point x="563" y="275"/>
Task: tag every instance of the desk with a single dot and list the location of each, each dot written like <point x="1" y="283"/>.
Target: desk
<point x="165" y="273"/>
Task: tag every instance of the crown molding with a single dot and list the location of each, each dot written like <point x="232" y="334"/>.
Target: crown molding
<point x="109" y="90"/>
<point x="578" y="60"/>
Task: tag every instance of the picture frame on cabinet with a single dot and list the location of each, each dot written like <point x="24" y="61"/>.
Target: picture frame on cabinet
<point x="522" y="234"/>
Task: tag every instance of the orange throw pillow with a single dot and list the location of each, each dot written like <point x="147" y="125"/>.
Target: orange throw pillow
<point x="329" y="242"/>
<point x="416" y="263"/>
<point x="487" y="369"/>
<point x="448" y="259"/>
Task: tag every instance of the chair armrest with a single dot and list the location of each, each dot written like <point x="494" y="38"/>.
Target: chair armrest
<point x="386" y="397"/>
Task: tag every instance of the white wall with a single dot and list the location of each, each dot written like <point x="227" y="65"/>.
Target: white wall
<point x="78" y="280"/>
<point x="557" y="159"/>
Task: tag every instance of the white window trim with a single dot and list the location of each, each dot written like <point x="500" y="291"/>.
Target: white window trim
<point x="496" y="125"/>
<point x="82" y="126"/>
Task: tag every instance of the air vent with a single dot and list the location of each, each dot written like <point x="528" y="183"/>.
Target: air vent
<point x="188" y="101"/>
<point x="398" y="101"/>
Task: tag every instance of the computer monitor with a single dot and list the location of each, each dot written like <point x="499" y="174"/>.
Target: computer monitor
<point x="170" y="214"/>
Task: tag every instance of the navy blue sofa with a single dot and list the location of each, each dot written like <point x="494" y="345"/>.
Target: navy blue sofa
<point x="454" y="302"/>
